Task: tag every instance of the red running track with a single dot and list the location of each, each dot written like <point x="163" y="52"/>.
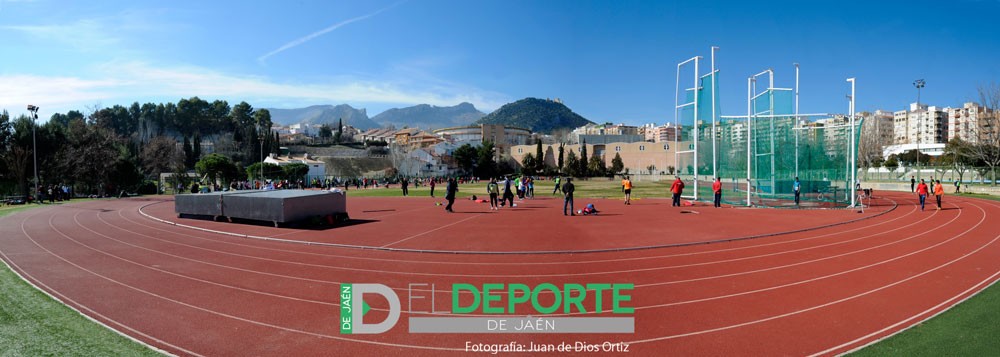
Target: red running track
<point x="816" y="288"/>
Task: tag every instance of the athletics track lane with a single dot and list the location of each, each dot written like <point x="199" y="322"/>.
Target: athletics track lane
<point x="193" y="292"/>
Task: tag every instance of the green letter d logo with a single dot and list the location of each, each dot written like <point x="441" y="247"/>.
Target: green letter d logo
<point x="355" y="324"/>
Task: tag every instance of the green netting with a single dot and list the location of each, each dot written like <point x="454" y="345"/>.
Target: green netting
<point x="781" y="149"/>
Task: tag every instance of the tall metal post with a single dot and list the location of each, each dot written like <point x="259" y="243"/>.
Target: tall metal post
<point x="750" y="81"/>
<point x="33" y="110"/>
<point x="696" y="133"/>
<point x="260" y="135"/>
<point x="770" y="89"/>
<point x="795" y="124"/>
<point x="854" y="162"/>
<point x="920" y="121"/>
<point x="715" y="155"/>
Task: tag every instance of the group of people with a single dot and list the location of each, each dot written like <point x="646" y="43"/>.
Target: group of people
<point x="523" y="187"/>
<point x="922" y="190"/>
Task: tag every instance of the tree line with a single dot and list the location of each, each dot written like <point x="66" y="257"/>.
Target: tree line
<point x="123" y="148"/>
<point x="480" y="162"/>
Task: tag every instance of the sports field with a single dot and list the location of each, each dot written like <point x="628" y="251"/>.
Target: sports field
<point x="707" y="281"/>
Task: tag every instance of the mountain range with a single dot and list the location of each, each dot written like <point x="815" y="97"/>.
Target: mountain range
<point x="538" y="115"/>
<point x="419" y="116"/>
<point x="324" y="114"/>
<point x="430" y="117"/>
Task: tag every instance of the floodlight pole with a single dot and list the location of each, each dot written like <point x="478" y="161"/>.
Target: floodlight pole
<point x="854" y="163"/>
<point x="33" y="110"/>
<point x="260" y="135"/>
<point x="920" y="121"/>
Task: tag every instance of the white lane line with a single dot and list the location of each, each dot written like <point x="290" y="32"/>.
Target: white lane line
<point x="953" y="301"/>
<point x="430" y="231"/>
<point x="233" y="317"/>
<point x="522" y="275"/>
<point x="800" y="311"/>
<point x="76" y="306"/>
<point x="77" y="221"/>
<point x="337" y="245"/>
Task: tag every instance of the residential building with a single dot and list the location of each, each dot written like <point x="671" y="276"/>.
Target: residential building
<point x="316" y="167"/>
<point x="381" y="134"/>
<point x="921" y="124"/>
<point x="970" y="122"/>
<point x="502" y="137"/>
<point x="663" y="133"/>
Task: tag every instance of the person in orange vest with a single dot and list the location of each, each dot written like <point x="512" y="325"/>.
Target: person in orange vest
<point x="717" y="188"/>
<point x="938" y="192"/>
<point x="677" y="188"/>
<point x="627" y="189"/>
<point x="922" y="192"/>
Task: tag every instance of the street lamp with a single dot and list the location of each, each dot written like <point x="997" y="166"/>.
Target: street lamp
<point x="920" y="121"/>
<point x="260" y="135"/>
<point x="34" y="146"/>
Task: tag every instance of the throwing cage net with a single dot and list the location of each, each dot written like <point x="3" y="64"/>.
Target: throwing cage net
<point x="759" y="155"/>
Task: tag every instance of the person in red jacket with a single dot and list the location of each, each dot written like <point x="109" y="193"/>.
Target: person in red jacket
<point x="938" y="192"/>
<point x="922" y="192"/>
<point x="677" y="188"/>
<point x="717" y="188"/>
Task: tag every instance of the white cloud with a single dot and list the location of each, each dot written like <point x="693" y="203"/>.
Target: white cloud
<point x="313" y="35"/>
<point x="125" y="82"/>
<point x="82" y="34"/>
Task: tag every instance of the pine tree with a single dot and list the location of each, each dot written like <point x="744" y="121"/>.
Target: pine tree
<point x="559" y="163"/>
<point x="539" y="156"/>
<point x="188" y="154"/>
<point x="583" y="159"/>
<point x="196" y="148"/>
<point x="617" y="165"/>
<point x="340" y="131"/>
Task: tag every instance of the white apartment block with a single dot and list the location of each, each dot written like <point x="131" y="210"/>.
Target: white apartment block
<point x="970" y="122"/>
<point x="923" y="124"/>
<point x="881" y="124"/>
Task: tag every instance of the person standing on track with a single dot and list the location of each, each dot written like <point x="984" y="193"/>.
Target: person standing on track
<point x="627" y="189"/>
<point x="797" y="187"/>
<point x="405" y="183"/>
<point x="717" y="188"/>
<point x="677" y="188"/>
<point x="508" y="195"/>
<point x="494" y="190"/>
<point x="938" y="192"/>
<point x="432" y="187"/>
<point x="922" y="192"/>
<point x="449" y="193"/>
<point x="567" y="190"/>
<point x="913" y="184"/>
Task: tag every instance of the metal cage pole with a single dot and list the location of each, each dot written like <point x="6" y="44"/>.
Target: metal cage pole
<point x="750" y="81"/>
<point x="854" y="163"/>
<point x="715" y="154"/>
<point x="696" y="133"/>
<point x="796" y="122"/>
<point x="770" y="90"/>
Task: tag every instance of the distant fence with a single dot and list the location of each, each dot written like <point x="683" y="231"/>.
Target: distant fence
<point x="981" y="175"/>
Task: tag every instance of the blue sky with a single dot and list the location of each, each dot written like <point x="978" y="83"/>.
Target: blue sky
<point x="607" y="60"/>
